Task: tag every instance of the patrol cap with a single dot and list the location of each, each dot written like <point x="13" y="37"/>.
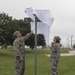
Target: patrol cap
<point x="15" y="33"/>
<point x="57" y="38"/>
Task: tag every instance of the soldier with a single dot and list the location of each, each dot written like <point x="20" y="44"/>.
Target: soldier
<point x="55" y="55"/>
<point x="19" y="49"/>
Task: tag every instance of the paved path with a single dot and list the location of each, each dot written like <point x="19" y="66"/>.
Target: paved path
<point x="71" y="53"/>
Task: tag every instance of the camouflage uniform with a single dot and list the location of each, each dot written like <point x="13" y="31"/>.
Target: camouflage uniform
<point x="55" y="55"/>
<point x="19" y="49"/>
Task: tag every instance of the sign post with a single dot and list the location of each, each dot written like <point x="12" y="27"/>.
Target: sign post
<point x="35" y="50"/>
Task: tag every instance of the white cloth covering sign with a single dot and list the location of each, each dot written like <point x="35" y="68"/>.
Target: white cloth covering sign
<point x="43" y="27"/>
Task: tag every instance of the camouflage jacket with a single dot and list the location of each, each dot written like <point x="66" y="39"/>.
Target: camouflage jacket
<point x="19" y="45"/>
<point x="55" y="54"/>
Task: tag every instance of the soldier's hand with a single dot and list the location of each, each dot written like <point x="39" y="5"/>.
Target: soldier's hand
<point x="21" y="58"/>
<point x="31" y="31"/>
<point x="49" y="46"/>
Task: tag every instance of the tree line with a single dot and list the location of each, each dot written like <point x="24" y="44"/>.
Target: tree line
<point x="8" y="26"/>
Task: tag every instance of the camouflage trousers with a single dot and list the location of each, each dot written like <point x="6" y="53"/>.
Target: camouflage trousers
<point x="19" y="66"/>
<point x="54" y="68"/>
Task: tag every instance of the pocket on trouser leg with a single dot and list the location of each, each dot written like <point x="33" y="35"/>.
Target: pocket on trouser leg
<point x="22" y="67"/>
<point x="17" y="65"/>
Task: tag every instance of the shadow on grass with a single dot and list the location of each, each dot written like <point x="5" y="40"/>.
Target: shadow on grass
<point x="6" y="54"/>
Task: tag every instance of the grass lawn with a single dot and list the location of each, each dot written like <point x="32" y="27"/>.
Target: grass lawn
<point x="66" y="65"/>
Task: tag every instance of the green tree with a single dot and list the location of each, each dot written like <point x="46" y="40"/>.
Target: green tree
<point x="8" y="26"/>
<point x="4" y="20"/>
<point x="31" y="42"/>
<point x="24" y="27"/>
<point x="41" y="40"/>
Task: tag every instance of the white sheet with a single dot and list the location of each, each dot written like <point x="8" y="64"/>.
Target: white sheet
<point x="44" y="26"/>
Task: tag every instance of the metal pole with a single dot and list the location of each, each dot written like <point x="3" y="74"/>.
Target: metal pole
<point x="71" y="41"/>
<point x="68" y="42"/>
<point x="35" y="51"/>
